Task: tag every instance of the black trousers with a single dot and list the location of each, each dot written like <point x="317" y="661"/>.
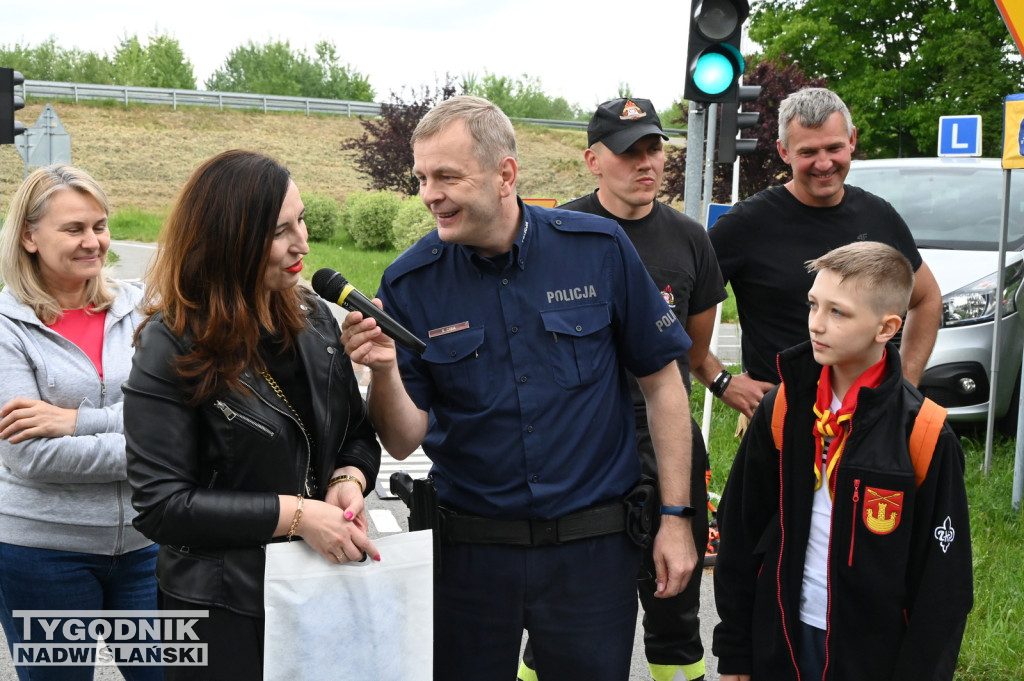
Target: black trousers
<point x="234" y="644"/>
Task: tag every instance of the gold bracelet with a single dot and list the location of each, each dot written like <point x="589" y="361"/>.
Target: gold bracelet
<point x="296" y="519"/>
<point x="346" y="478"/>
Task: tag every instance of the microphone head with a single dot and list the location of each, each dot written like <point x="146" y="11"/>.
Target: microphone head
<point x="328" y="284"/>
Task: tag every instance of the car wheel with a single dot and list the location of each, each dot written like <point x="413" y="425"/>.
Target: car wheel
<point x="1008" y="424"/>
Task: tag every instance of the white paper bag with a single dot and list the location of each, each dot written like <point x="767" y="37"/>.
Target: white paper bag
<point x="364" y="620"/>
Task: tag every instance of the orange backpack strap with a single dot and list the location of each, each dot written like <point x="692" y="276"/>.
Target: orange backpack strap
<point x="779" y="415"/>
<point x="927" y="427"/>
<point x="923" y="437"/>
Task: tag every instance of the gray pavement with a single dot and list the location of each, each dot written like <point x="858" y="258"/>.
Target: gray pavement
<point x="390" y="515"/>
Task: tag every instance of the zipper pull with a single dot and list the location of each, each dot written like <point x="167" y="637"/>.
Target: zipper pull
<point x="228" y="412"/>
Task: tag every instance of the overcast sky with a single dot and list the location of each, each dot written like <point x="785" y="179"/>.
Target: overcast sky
<point x="581" y="50"/>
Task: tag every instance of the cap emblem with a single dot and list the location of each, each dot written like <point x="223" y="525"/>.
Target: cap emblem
<point x="631" y="111"/>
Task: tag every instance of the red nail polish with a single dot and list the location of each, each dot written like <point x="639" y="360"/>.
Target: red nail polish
<point x="377" y="558"/>
<point x="348" y="515"/>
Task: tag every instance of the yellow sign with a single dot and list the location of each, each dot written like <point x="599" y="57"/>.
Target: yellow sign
<point x="546" y="203"/>
<point x="1013" y="132"/>
<point x="1013" y="15"/>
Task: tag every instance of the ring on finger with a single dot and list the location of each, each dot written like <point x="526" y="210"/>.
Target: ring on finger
<point x="341" y="557"/>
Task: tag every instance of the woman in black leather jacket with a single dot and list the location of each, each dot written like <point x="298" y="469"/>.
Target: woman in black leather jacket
<point x="243" y="417"/>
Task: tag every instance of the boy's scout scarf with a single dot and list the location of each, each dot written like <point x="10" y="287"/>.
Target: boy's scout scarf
<point x="837" y="425"/>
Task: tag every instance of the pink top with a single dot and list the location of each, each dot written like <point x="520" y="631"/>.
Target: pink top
<point x="84" y="328"/>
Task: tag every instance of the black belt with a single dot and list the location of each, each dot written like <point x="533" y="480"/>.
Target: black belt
<point x="593" y="521"/>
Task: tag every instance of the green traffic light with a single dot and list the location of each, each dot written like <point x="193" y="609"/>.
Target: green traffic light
<point x="713" y="73"/>
<point x="718" y="68"/>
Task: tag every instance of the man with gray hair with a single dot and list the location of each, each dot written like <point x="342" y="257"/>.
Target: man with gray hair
<point x="763" y="242"/>
<point x="532" y="318"/>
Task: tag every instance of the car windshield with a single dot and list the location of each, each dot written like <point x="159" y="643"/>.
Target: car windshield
<point x="949" y="207"/>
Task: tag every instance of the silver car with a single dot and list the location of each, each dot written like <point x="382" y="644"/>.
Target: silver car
<point x="953" y="207"/>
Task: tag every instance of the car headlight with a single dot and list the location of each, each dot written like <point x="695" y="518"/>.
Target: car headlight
<point x="976" y="302"/>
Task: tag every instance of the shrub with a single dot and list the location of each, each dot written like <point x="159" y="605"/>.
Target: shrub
<point x="368" y="217"/>
<point x="383" y="153"/>
<point x="323" y="216"/>
<point x="412" y="222"/>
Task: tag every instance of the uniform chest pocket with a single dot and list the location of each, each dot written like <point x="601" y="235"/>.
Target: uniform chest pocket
<point x="460" y="373"/>
<point x="580" y="346"/>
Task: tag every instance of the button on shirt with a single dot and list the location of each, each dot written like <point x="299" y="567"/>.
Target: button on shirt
<point x="529" y="412"/>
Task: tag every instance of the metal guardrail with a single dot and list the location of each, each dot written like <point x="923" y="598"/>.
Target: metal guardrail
<point x="128" y="94"/>
<point x="173" y="98"/>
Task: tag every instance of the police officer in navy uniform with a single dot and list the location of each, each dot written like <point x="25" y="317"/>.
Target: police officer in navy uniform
<point x="532" y="317"/>
<point x="626" y="154"/>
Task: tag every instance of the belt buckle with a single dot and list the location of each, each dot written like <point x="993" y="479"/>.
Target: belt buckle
<point x="543" y="532"/>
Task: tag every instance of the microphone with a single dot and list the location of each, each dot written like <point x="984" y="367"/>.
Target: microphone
<point x="333" y="287"/>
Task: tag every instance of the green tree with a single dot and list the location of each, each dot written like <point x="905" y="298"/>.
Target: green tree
<point x="899" y="65"/>
<point x="520" y="97"/>
<point x="168" y="66"/>
<point x="339" y="81"/>
<point x="129" y="64"/>
<point x="276" y="69"/>
<point x="48" y="61"/>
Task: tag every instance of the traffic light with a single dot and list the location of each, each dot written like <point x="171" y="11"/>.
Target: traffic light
<point x="713" y="60"/>
<point x="730" y="145"/>
<point x="9" y="103"/>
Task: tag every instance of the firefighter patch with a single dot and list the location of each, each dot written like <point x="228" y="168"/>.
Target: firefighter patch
<point x="882" y="510"/>
<point x="666" y="293"/>
<point x="631" y="111"/>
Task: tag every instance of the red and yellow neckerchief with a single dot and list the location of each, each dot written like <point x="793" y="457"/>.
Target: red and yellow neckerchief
<point x="837" y="425"/>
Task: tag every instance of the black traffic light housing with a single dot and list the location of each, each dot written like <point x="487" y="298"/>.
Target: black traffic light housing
<point x="9" y="103"/>
<point x="713" y="60"/>
<point x="730" y="145"/>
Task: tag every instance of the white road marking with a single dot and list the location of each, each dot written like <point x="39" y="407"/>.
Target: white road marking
<point x="384" y="520"/>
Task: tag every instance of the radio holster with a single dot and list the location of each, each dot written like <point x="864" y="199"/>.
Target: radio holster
<point x="420" y="498"/>
<point x="643" y="511"/>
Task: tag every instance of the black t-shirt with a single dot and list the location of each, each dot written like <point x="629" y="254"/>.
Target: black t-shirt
<point x="762" y="245"/>
<point x="677" y="253"/>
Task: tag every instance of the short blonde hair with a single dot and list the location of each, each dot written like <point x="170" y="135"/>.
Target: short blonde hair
<point x="19" y="269"/>
<point x="879" y="271"/>
<point x="490" y="128"/>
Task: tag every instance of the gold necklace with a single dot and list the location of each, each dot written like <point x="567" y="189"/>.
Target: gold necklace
<point x="310" y="482"/>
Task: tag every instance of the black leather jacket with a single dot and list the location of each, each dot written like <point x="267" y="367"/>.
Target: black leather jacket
<point x="206" y="479"/>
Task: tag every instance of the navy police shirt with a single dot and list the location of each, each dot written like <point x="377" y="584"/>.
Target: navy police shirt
<point x="530" y="415"/>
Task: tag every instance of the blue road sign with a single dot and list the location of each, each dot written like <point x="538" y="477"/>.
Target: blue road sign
<point x="714" y="211"/>
<point x="959" y="135"/>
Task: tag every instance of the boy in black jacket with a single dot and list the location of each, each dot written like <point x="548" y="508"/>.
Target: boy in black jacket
<point x="845" y="549"/>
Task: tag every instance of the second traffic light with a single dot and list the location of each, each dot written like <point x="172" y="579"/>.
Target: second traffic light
<point x="9" y="103"/>
<point x="713" y="60"/>
<point x="733" y="121"/>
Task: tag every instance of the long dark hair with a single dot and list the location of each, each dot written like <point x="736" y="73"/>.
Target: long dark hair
<point x="208" y="278"/>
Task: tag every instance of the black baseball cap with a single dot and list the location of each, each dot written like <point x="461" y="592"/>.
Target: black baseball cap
<point x="618" y="124"/>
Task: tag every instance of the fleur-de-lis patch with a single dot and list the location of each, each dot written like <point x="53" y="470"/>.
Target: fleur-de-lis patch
<point x="945" y="534"/>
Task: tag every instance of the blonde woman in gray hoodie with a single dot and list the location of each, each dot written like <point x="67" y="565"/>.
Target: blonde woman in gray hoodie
<point x="66" y="535"/>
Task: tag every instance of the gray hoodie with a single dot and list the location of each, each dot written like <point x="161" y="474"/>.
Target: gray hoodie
<point x="68" y="493"/>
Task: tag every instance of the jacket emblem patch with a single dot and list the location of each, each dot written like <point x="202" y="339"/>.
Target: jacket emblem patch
<point x="945" y="534"/>
<point x="882" y="510"/>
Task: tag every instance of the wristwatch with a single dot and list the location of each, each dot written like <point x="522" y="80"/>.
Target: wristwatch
<point x="683" y="511"/>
